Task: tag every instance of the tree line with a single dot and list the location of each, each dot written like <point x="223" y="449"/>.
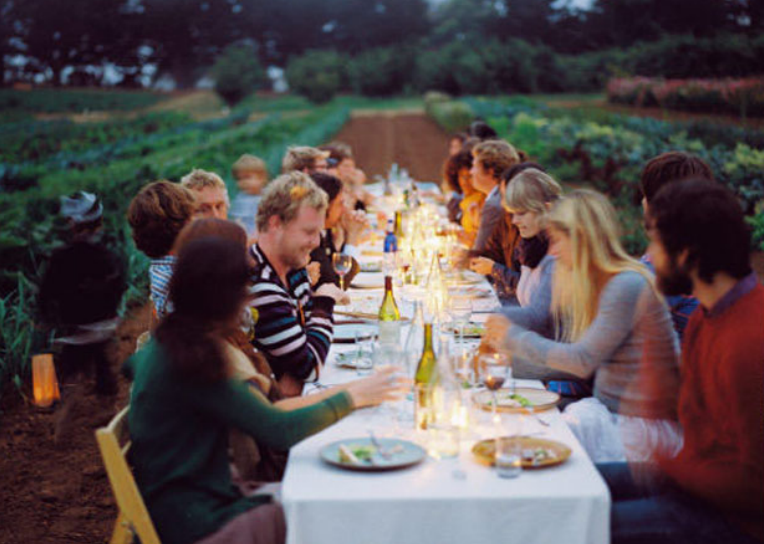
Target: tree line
<point x="70" y="42"/>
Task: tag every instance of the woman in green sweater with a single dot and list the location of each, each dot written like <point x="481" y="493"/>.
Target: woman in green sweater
<point x="185" y="399"/>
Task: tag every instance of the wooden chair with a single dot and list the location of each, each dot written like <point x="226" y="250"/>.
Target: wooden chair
<point x="133" y="519"/>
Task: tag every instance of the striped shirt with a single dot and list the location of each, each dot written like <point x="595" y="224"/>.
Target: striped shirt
<point x="160" y="273"/>
<point x="294" y="329"/>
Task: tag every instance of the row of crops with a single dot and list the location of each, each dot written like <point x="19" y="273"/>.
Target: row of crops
<point x="41" y="161"/>
<point x="607" y="151"/>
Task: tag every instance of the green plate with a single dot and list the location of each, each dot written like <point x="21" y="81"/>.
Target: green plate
<point x="403" y="454"/>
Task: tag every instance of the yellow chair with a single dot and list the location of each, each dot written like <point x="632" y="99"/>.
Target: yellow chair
<point x="133" y="519"/>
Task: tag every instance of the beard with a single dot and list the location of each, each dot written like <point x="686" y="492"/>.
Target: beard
<point x="674" y="281"/>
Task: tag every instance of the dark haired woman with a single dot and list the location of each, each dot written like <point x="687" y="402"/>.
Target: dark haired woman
<point x="185" y="399"/>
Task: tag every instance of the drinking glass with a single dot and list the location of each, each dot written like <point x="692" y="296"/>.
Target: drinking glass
<point x="342" y="264"/>
<point x="495" y="371"/>
<point x="366" y="347"/>
<point x="508" y="456"/>
<point x="461" y="311"/>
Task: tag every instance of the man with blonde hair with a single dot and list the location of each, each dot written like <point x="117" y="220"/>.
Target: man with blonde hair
<point x="295" y="326"/>
<point x="304" y="159"/>
<point x="210" y="192"/>
<point x="491" y="159"/>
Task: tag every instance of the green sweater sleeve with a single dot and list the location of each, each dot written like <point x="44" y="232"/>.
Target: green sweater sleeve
<point x="236" y="405"/>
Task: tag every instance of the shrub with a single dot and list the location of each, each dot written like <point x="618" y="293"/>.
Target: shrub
<point x="317" y="75"/>
<point x="237" y="73"/>
<point x="449" y="114"/>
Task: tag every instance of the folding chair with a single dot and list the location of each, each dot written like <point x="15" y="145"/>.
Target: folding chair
<point x="133" y="519"/>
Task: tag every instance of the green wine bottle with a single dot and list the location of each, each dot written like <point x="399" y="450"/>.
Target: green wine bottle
<point x="389" y="317"/>
<point x="425" y="378"/>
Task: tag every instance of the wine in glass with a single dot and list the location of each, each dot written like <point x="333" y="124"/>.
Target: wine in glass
<point x="342" y="264"/>
<point x="495" y="368"/>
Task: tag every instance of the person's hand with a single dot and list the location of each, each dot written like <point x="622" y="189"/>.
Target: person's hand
<point x="330" y="290"/>
<point x="380" y="387"/>
<point x="481" y="265"/>
<point x="496" y="329"/>
<point x="461" y="257"/>
<point x="354" y="223"/>
<point x="314" y="272"/>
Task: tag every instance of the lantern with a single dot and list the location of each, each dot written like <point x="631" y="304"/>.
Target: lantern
<point x="44" y="382"/>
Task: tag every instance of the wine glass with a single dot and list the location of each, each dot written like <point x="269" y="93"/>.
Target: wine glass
<point x="342" y="264"/>
<point x="495" y="369"/>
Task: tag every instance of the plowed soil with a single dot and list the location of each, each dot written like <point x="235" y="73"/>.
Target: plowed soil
<point x="408" y="138"/>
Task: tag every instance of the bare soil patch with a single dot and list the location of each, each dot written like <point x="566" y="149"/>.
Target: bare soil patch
<point x="49" y="493"/>
<point x="408" y="137"/>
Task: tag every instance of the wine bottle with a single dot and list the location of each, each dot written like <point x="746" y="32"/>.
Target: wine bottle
<point x="425" y="378"/>
<point x="398" y="227"/>
<point x="390" y="248"/>
<point x="389" y="317"/>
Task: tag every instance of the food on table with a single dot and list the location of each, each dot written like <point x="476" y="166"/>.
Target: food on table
<point x="356" y="454"/>
<point x="470" y="329"/>
<point x="536" y="456"/>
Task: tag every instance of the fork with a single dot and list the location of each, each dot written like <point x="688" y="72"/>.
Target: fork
<point x="386" y="455"/>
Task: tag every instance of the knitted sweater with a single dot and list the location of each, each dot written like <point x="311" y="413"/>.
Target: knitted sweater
<point x="721" y="406"/>
<point x="630" y="349"/>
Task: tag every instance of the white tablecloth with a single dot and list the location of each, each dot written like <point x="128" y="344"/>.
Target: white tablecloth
<point x="440" y="501"/>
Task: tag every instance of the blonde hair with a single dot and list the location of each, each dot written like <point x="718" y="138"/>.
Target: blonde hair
<point x="284" y="196"/>
<point x="496" y="156"/>
<point x="530" y="191"/>
<point x="300" y="158"/>
<point x="248" y="164"/>
<point x="198" y="179"/>
<point x="590" y="222"/>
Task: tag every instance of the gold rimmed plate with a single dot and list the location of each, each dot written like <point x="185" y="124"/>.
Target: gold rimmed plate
<point x="522" y="399"/>
<point x="535" y="452"/>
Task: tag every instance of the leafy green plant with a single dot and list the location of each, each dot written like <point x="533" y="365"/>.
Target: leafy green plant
<point x="757" y="233"/>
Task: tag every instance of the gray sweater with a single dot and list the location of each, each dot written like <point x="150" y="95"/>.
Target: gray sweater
<point x="630" y="348"/>
<point x="536" y="316"/>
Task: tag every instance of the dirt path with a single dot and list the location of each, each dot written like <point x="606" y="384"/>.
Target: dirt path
<point x="408" y="138"/>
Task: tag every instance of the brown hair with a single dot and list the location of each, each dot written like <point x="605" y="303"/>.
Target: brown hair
<point x="210" y="227"/>
<point x="284" y="196"/>
<point x="301" y="158"/>
<point x="247" y="164"/>
<point x="453" y="165"/>
<point x="496" y="156"/>
<point x="669" y="167"/>
<point x="198" y="179"/>
<point x="157" y="214"/>
<point x="338" y="151"/>
<point x="207" y="290"/>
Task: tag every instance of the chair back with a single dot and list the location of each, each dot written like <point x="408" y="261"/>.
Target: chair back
<point x="133" y="519"/>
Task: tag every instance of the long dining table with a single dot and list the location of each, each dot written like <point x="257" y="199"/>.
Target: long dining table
<point x="440" y="500"/>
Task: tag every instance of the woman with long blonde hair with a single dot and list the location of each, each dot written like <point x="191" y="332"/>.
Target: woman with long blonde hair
<point x="612" y="326"/>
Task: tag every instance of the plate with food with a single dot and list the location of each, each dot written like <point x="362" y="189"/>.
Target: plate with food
<point x="371" y="266"/>
<point x="519" y="399"/>
<point x="535" y="452"/>
<point x="471" y="330"/>
<point x="367" y="455"/>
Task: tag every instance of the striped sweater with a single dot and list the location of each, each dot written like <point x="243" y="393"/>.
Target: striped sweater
<point x="294" y="329"/>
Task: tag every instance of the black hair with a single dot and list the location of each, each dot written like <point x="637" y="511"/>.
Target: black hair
<point x="328" y="183"/>
<point x="704" y="218"/>
<point x="482" y="130"/>
<point x="207" y="290"/>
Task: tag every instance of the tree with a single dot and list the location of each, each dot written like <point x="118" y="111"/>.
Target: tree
<point x="237" y="73"/>
<point x="317" y="75"/>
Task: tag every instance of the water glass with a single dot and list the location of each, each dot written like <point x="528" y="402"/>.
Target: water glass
<point x="365" y="354"/>
<point x="508" y="456"/>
